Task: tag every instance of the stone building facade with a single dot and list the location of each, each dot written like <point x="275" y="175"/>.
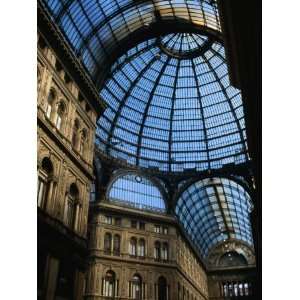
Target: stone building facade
<point x="65" y="133"/>
<point x="134" y="245"/>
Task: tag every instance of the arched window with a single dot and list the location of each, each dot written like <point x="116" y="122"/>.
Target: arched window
<point x="246" y="289"/>
<point x="225" y="290"/>
<point x="42" y="43"/>
<point x="157" y="250"/>
<point x="136" y="288"/>
<point x="61" y="109"/>
<point x="231" y="259"/>
<point x="241" y="289"/>
<point x="50" y="102"/>
<point x="44" y="182"/>
<point x="141" y="248"/>
<point x="137" y="192"/>
<point x="165" y="251"/>
<point x="230" y="289"/>
<point x="83" y="140"/>
<point x="117" y="244"/>
<point x="58" y="66"/>
<point x="75" y="133"/>
<point x="107" y="243"/>
<point x="132" y="247"/>
<point x="110" y="285"/>
<point x="236" y="289"/>
<point x="71" y="205"/>
<point x="67" y="79"/>
<point x="162" y="288"/>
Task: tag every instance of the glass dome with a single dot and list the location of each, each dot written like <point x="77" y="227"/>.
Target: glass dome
<point x="171" y="106"/>
<point x="183" y="45"/>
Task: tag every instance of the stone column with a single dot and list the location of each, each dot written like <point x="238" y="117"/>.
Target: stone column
<point x="49" y="206"/>
<point x="93" y="284"/>
<point x="53" y="268"/>
<point x="76" y="219"/>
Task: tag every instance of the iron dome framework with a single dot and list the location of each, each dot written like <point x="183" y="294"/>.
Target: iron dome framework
<point x="171" y="112"/>
<point x="215" y="210"/>
<point x="170" y="104"/>
<point x="96" y="30"/>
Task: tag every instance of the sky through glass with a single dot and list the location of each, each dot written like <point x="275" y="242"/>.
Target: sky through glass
<point x="215" y="210"/>
<point x="173" y="113"/>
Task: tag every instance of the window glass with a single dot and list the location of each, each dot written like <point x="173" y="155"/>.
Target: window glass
<point x="141" y="248"/>
<point x="135" y="288"/>
<point x="157" y="250"/>
<point x="93" y="192"/>
<point x="41" y="191"/>
<point x="133" y="224"/>
<point x="174" y="113"/>
<point x="213" y="209"/>
<point x="108" y="219"/>
<point x="107" y="243"/>
<point x="164" y="252"/>
<point x="157" y="228"/>
<point x="118" y="221"/>
<point x="133" y="247"/>
<point x="109" y="286"/>
<point x="110" y="21"/>
<point x="116" y="244"/>
<point x="50" y="102"/>
<point x="59" y="115"/>
<point x="137" y="193"/>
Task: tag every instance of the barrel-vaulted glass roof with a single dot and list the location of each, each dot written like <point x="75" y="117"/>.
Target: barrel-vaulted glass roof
<point x="215" y="210"/>
<point x="171" y="106"/>
<point x="95" y="28"/>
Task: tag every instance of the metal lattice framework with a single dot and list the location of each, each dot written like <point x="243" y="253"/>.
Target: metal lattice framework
<point x="215" y="210"/>
<point x="96" y="28"/>
<point x="173" y="113"/>
<point x="170" y="105"/>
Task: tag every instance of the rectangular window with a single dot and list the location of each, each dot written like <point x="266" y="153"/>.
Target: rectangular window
<point x="133" y="224"/>
<point x="108" y="220"/>
<point x="118" y="221"/>
<point x="157" y="228"/>
<point x="41" y="191"/>
<point x="58" y="122"/>
<point x="142" y="226"/>
<point x="48" y="111"/>
<point x="165" y="230"/>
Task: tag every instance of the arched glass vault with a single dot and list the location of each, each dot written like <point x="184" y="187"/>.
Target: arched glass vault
<point x="95" y="29"/>
<point x="215" y="210"/>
